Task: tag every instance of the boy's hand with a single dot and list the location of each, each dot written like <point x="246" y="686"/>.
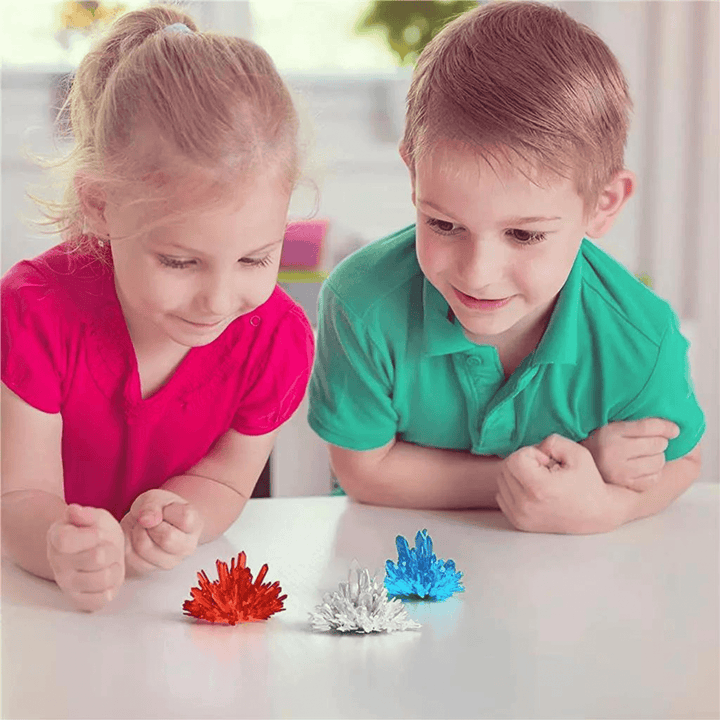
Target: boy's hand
<point x="86" y="551"/>
<point x="554" y="487"/>
<point x="161" y="530"/>
<point x="631" y="454"/>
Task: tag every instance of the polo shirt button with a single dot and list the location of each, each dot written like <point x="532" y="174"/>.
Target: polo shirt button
<point x="255" y="320"/>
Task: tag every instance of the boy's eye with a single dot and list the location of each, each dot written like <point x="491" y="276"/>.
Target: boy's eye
<point x="525" y="237"/>
<point x="442" y="227"/>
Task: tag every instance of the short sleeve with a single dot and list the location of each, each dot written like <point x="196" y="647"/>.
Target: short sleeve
<point x="32" y="349"/>
<point x="281" y="378"/>
<point x="668" y="393"/>
<point x="350" y="395"/>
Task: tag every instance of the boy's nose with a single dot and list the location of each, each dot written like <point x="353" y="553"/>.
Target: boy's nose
<point x="481" y="265"/>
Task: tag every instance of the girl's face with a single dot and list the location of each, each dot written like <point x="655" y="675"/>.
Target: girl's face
<point x="187" y="279"/>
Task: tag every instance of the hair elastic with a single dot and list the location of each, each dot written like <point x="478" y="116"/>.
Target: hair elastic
<point x="177" y="28"/>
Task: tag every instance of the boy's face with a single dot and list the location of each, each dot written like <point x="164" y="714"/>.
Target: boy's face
<point x="186" y="281"/>
<point x="496" y="246"/>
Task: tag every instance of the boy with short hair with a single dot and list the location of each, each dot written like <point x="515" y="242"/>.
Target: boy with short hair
<point x="490" y="355"/>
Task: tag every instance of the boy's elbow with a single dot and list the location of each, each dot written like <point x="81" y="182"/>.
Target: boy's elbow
<point x="354" y="487"/>
<point x="694" y="458"/>
<point x="357" y="472"/>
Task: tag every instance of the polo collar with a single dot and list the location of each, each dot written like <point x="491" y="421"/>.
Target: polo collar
<point x="443" y="335"/>
<point x="559" y="343"/>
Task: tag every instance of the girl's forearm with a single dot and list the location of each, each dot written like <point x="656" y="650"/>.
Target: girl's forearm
<point x="26" y="517"/>
<point x="413" y="476"/>
<point x="218" y="504"/>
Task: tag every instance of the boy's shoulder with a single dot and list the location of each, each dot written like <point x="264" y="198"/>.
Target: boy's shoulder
<point x="377" y="275"/>
<point x="630" y="303"/>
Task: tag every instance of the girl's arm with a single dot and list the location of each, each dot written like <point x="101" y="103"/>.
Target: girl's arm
<point x="401" y="474"/>
<point x="32" y="496"/>
<point x="221" y="483"/>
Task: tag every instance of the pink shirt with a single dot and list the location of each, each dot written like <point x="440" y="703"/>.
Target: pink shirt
<point x="66" y="349"/>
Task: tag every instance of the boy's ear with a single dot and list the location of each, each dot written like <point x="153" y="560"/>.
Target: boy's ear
<point x="405" y="155"/>
<point x="92" y="201"/>
<point x="612" y="199"/>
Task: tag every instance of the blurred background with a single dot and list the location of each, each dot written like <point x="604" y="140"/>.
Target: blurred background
<point x="349" y="64"/>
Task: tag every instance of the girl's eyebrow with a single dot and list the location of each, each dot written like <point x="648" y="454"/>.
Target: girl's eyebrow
<point x="508" y="221"/>
<point x="192" y="251"/>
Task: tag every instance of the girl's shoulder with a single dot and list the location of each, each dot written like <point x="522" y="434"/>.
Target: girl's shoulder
<point x="60" y="281"/>
<point x="280" y="311"/>
<point x="279" y="328"/>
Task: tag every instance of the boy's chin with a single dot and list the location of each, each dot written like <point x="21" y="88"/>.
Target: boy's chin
<point x="483" y="328"/>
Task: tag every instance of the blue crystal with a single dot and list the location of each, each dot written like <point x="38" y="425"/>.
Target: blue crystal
<point x="419" y="573"/>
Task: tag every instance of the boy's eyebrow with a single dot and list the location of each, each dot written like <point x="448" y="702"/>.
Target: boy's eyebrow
<point x="192" y="251"/>
<point x="508" y="221"/>
<point x="528" y="220"/>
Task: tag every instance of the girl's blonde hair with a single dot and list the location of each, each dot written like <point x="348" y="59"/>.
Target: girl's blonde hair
<point x="523" y="79"/>
<point x="150" y="102"/>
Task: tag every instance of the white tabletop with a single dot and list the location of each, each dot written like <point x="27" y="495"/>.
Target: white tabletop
<point x="605" y="626"/>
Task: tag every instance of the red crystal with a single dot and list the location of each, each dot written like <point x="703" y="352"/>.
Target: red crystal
<point x="234" y="597"/>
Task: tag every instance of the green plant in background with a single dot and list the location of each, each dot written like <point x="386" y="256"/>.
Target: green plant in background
<point x="83" y="18"/>
<point x="409" y="26"/>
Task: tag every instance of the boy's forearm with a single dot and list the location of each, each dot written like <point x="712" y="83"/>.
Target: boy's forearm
<point x="26" y="518"/>
<point x="675" y="478"/>
<point x="218" y="504"/>
<point x="413" y="476"/>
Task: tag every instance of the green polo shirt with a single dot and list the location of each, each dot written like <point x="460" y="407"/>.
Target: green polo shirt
<point x="392" y="362"/>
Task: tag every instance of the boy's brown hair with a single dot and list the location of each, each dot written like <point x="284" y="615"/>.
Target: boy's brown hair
<point x="527" y="81"/>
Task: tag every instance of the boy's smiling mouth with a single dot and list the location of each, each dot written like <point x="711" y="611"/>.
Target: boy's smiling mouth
<point x="481" y="303"/>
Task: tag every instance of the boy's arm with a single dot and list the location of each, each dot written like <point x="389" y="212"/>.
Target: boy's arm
<point x="401" y="474"/>
<point x="221" y="483"/>
<point x="675" y="478"/>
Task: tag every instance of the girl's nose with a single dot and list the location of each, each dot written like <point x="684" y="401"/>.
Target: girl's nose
<point x="220" y="297"/>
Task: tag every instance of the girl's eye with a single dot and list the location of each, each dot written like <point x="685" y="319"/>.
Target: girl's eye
<point x="525" y="237"/>
<point x="257" y="262"/>
<point x="173" y="263"/>
<point x="183" y="264"/>
<point x="442" y="227"/>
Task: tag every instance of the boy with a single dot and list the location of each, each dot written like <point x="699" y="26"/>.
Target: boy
<point x="490" y="355"/>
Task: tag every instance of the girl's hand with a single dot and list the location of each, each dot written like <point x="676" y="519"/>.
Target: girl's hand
<point x="161" y="530"/>
<point x="555" y="488"/>
<point x="631" y="454"/>
<point x="86" y="551"/>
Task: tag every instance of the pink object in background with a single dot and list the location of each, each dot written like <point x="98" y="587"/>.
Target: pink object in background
<point x="303" y="243"/>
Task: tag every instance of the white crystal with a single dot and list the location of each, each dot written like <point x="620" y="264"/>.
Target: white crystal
<point x="361" y="605"/>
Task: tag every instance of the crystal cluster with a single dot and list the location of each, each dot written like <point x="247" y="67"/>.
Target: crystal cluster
<point x="419" y="573"/>
<point x="234" y="597"/>
<point x="361" y="605"/>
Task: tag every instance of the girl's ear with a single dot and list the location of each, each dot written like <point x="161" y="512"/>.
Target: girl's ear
<point x="92" y="201"/>
<point x="612" y="199"/>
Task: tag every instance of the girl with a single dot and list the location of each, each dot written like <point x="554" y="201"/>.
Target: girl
<point x="149" y="360"/>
